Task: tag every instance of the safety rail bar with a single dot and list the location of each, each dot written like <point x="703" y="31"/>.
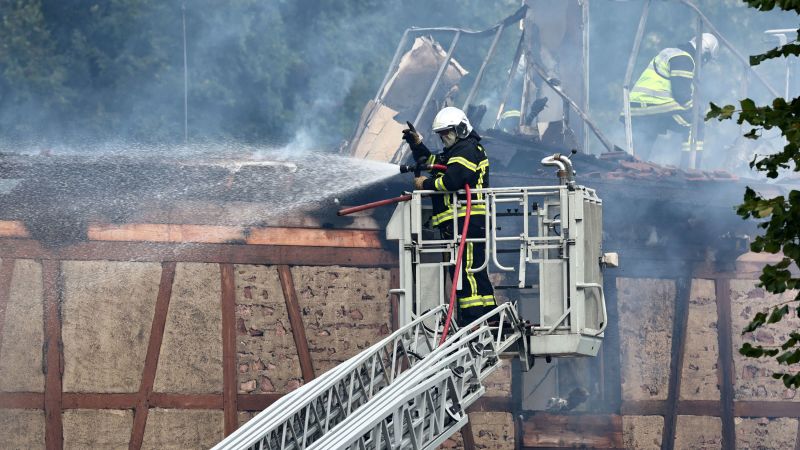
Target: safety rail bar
<point x="492" y="197"/>
<point x="546" y="228"/>
<point x="302" y="416"/>
<point x="428" y="404"/>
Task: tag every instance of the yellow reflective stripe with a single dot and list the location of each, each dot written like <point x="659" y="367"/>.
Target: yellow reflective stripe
<point x="682" y="73"/>
<point x="656" y="109"/>
<point x="510" y="113"/>
<point x="681" y="121"/>
<point x="442" y="217"/>
<point x="687" y="146"/>
<point x="473" y="283"/>
<point x="477" y="300"/>
<point x="653" y="92"/>
<point x="483" y="164"/>
<point x="431" y="159"/>
<point x="464" y="162"/>
<point x="439" y="184"/>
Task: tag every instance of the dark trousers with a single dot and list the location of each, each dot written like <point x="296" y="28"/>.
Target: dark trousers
<point x="476" y="296"/>
<point x="647" y="128"/>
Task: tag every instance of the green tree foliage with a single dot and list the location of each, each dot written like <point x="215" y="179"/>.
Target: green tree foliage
<point x="779" y="216"/>
<point x="259" y="71"/>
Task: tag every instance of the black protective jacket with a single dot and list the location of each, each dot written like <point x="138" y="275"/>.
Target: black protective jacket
<point x="466" y="163"/>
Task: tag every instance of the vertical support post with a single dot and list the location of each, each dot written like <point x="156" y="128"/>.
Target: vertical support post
<point x="694" y="133"/>
<point x="585" y="61"/>
<point x="626" y="86"/>
<point x="683" y="290"/>
<point x="395" y="59"/>
<point x="394" y="283"/>
<point x="512" y="72"/>
<point x="53" y="354"/>
<point x="611" y="342"/>
<point x="468" y="436"/>
<point x="401" y="153"/>
<point x="6" y="273"/>
<point x="185" y="79"/>
<point x="485" y="62"/>
<point x="725" y="364"/>
<point x="229" y="363"/>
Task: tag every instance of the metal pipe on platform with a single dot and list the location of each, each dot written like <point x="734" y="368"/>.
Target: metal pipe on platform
<point x="626" y="85"/>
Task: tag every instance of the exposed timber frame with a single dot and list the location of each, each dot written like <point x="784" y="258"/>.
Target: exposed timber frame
<point x="54" y="401"/>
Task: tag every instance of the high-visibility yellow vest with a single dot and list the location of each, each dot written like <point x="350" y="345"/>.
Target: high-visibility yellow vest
<point x="652" y="93"/>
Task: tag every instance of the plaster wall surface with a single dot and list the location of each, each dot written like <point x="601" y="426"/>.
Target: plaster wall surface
<point x="23" y="331"/>
<point x="170" y="429"/>
<point x="107" y="314"/>
<point x="191" y="352"/>
<point x="699" y="379"/>
<point x="110" y="429"/>
<point x="642" y="432"/>
<point x="646" y="310"/>
<point x="266" y="352"/>
<point x="22" y="428"/>
<point x="764" y="433"/>
<point x="753" y="377"/>
<point x="698" y="433"/>
<point x="490" y="430"/>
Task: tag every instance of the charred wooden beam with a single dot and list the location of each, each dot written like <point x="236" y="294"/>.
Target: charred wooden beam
<point x="80" y="400"/>
<point x="296" y="322"/>
<point x="229" y="363"/>
<point x="725" y="343"/>
<point x="544" y="430"/>
<point x="53" y="354"/>
<point x="256" y="402"/>
<point x="208" y="253"/>
<point x="6" y="273"/>
<point x="468" y="436"/>
<point x="21" y="400"/>
<point x="679" y="323"/>
<point x="220" y="234"/>
<point x="151" y="358"/>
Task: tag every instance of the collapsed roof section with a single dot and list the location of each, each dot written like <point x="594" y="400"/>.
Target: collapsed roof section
<point x="401" y="97"/>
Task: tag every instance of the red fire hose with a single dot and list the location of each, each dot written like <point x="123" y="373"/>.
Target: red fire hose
<point x="457" y="272"/>
<point x="459" y="256"/>
<point x="388" y="201"/>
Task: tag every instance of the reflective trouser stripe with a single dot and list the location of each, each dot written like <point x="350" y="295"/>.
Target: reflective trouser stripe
<point x="477" y="210"/>
<point x="473" y="285"/>
<point x="654" y="92"/>
<point x="476" y="300"/>
<point x="681" y="121"/>
<point x="657" y="109"/>
<point x="687" y="146"/>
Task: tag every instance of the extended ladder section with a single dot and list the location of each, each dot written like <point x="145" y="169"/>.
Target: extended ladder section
<point x="408" y="373"/>
<point x="544" y="241"/>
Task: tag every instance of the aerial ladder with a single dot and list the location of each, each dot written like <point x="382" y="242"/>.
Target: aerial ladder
<point x="412" y="389"/>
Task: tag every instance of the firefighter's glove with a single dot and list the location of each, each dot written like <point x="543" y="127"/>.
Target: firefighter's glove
<point x="418" y="182"/>
<point x="411" y="136"/>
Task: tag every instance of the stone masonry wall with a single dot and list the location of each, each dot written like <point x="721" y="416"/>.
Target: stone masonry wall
<point x="754" y="377"/>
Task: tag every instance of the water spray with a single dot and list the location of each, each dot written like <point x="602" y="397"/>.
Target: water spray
<point x="415" y="168"/>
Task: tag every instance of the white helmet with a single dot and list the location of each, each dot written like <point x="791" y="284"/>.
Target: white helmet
<point x="452" y="118"/>
<point x="710" y="45"/>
